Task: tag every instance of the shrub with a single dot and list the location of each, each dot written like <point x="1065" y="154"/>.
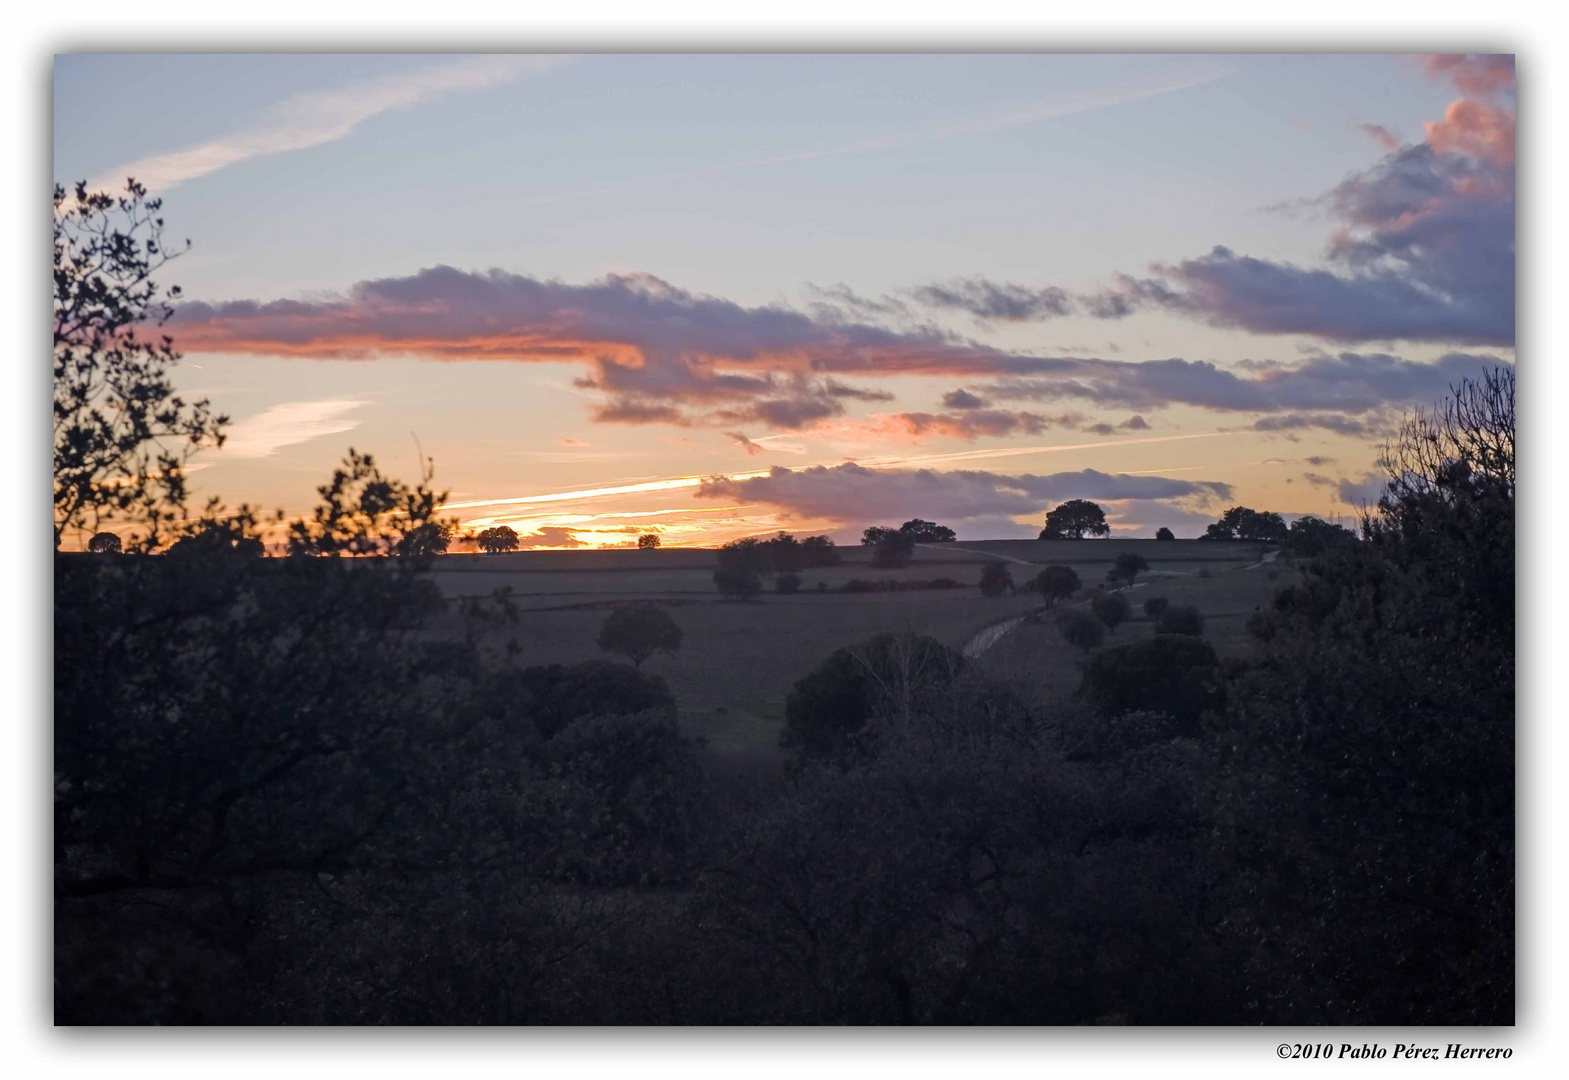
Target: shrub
<point x="995" y="579"/>
<point x="1055" y="583"/>
<point x="1110" y="608"/>
<point x="1181" y="620"/>
<point x="1156" y="606"/>
<point x="104" y="543"/>
<point x="1081" y="629"/>
<point x="830" y="706"/>
<point x="558" y="694"/>
<point x="1172" y="674"/>
<point x="737" y="582"/>
<point x="787" y="583"/>
<point x="639" y="632"/>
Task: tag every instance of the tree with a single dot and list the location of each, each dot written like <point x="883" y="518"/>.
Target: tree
<point x="431" y="538"/>
<point x="747" y="553"/>
<point x="1181" y="620"/>
<point x="104" y="543"/>
<point x="1310" y="537"/>
<point x="1081" y="629"/>
<point x="995" y="579"/>
<point x="1168" y="673"/>
<point x="1074" y="519"/>
<point x="927" y="532"/>
<point x="1110" y="608"/>
<point x="820" y="551"/>
<point x="737" y="582"/>
<point x="496" y="539"/>
<point x="1241" y="523"/>
<point x="648" y="542"/>
<point x="1126" y="568"/>
<point x="1156" y="606"/>
<point x="122" y="436"/>
<point x="884" y="676"/>
<point x="639" y="632"/>
<point x="553" y="696"/>
<point x="1164" y="533"/>
<point x="784" y="553"/>
<point x="1056" y="583"/>
<point x="787" y="583"/>
<point x="891" y="548"/>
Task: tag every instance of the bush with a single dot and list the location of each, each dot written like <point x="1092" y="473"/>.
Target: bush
<point x="1111" y="608"/>
<point x="787" y="583"/>
<point x="995" y="579"/>
<point x="1055" y="583"/>
<point x="829" y="707"/>
<point x="639" y="632"/>
<point x="1181" y="620"/>
<point x="1172" y="674"/>
<point x="737" y="582"/>
<point x="1081" y="629"/>
<point x="1156" y="606"/>
<point x="104" y="543"/>
<point x="555" y="695"/>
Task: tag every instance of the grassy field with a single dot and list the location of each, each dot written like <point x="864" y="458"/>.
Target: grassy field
<point x="739" y="660"/>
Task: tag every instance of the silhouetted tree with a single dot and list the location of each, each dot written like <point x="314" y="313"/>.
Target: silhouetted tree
<point x="1184" y="619"/>
<point x="1309" y="537"/>
<point x="890" y="547"/>
<point x="820" y="551"/>
<point x="737" y="582"/>
<point x="1081" y="629"/>
<point x="1241" y="523"/>
<point x="1110" y="608"/>
<point x="787" y="583"/>
<point x="1156" y="606"/>
<point x="1164" y="533"/>
<point x="1075" y="519"/>
<point x="829" y="707"/>
<point x="431" y="538"/>
<point x="497" y="539"/>
<point x="121" y="435"/>
<point x="784" y="554"/>
<point x="1172" y="674"/>
<point x="648" y="541"/>
<point x="995" y="579"/>
<point x="927" y="532"/>
<point x="1126" y="568"/>
<point x="104" y="543"/>
<point x="639" y="632"/>
<point x="1056" y="583"/>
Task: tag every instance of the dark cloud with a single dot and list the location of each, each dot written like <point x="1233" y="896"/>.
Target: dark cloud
<point x="1365" y="491"/>
<point x="1101" y="429"/>
<point x="1319" y="462"/>
<point x="1319" y="481"/>
<point x="989" y="301"/>
<point x="1340" y="425"/>
<point x="748" y="445"/>
<point x="1353" y="383"/>
<point x="963" y="399"/>
<point x="1134" y="423"/>
<point x="852" y="493"/>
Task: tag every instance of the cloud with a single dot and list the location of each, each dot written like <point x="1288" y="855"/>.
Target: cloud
<point x="751" y="448"/>
<point x="550" y="536"/>
<point x="853" y="493"/>
<point x="1364" y="491"/>
<point x="568" y="440"/>
<point x="1319" y="461"/>
<point x="989" y="301"/>
<point x="1353" y="383"/>
<point x="1340" y="425"/>
<point x="962" y="399"/>
<point x="1134" y="423"/>
<point x="322" y="116"/>
<point x="1386" y="138"/>
<point x="1423" y="249"/>
<point x="285" y="425"/>
<point x="1319" y="481"/>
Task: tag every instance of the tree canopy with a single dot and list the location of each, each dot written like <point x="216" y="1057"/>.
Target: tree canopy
<point x="1241" y="523"/>
<point x="1074" y="520"/>
<point x="497" y="538"/>
<point x="638" y="632"/>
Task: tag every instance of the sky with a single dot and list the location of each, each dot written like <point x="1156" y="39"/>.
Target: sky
<point x="711" y="296"/>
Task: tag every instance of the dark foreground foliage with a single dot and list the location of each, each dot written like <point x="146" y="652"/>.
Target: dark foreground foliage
<point x="282" y="796"/>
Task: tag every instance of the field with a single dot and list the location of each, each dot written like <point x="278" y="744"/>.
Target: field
<point x="738" y="660"/>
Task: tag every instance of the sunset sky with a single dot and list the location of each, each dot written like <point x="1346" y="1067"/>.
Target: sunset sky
<point x="713" y="296"/>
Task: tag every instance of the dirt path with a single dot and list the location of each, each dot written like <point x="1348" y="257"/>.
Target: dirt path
<point x="989" y="636"/>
